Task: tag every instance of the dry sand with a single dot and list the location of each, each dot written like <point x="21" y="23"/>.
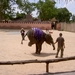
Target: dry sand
<point x="11" y="49"/>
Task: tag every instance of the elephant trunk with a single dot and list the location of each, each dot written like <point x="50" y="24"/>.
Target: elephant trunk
<point x="25" y="35"/>
<point x="53" y="46"/>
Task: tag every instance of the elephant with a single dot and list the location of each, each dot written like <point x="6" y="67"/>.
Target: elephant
<point x="38" y="37"/>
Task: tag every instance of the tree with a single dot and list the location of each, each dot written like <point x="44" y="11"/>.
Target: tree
<point x="46" y="9"/>
<point x="63" y="15"/>
<point x="5" y="8"/>
<point x="73" y="18"/>
<point x="25" y="6"/>
<point x="20" y="15"/>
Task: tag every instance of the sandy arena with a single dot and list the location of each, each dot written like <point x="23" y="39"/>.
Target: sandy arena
<point x="11" y="49"/>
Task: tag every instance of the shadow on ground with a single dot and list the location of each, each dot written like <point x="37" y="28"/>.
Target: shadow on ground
<point x="44" y="54"/>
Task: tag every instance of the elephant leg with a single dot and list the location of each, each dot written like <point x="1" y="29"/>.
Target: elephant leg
<point x="39" y="49"/>
<point x="36" y="49"/>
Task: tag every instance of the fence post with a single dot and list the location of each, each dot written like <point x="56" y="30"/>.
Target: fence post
<point x="47" y="66"/>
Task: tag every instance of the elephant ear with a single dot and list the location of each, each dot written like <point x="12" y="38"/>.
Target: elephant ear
<point x="48" y="39"/>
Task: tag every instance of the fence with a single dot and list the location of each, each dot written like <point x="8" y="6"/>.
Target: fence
<point x="68" y="27"/>
<point x="37" y="61"/>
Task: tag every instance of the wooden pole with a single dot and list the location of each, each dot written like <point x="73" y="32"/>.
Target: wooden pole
<point x="47" y="67"/>
<point x="38" y="61"/>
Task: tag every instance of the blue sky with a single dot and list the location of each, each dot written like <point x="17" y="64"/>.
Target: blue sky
<point x="70" y="5"/>
<point x="60" y="4"/>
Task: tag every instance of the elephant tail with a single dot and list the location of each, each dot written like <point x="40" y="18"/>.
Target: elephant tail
<point x="25" y="35"/>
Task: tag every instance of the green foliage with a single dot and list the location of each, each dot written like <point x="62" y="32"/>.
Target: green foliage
<point x="46" y="9"/>
<point x="5" y="8"/>
<point x="73" y="18"/>
<point x="63" y="15"/>
<point x="20" y="15"/>
<point x="25" y="6"/>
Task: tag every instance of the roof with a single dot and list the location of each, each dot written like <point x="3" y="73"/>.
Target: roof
<point x="53" y="19"/>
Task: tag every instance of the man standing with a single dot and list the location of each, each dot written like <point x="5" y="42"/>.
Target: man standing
<point x="22" y="34"/>
<point x="61" y="45"/>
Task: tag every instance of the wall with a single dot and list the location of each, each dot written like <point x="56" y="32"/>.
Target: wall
<point x="42" y="25"/>
<point x="17" y="25"/>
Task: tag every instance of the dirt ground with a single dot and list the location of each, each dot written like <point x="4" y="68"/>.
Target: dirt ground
<point x="11" y="49"/>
